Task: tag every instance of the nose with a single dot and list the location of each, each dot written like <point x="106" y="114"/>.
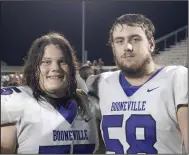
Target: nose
<point x="55" y="66"/>
<point x="128" y="47"/>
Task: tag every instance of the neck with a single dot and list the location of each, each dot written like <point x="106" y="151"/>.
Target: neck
<point x="150" y="69"/>
<point x="56" y="98"/>
<point x="56" y="94"/>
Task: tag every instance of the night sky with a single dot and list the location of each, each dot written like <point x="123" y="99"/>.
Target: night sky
<point x="22" y="22"/>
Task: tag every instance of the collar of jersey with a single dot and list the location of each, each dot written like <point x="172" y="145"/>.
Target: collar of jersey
<point x="128" y="88"/>
<point x="70" y="113"/>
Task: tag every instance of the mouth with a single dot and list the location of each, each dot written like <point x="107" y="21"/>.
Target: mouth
<point x="128" y="57"/>
<point x="55" y="77"/>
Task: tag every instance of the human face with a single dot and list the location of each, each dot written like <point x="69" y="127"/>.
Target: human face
<point x="54" y="72"/>
<point x="131" y="49"/>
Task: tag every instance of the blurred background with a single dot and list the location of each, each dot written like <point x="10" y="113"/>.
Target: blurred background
<point x="86" y="25"/>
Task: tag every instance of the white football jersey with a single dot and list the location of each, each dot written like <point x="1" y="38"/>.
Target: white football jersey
<point x="81" y="83"/>
<point x="42" y="129"/>
<point x="142" y="119"/>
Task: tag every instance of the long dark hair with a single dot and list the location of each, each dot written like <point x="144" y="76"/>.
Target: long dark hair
<point x="32" y="62"/>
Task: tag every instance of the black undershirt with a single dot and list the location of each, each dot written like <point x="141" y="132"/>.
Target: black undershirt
<point x="57" y="102"/>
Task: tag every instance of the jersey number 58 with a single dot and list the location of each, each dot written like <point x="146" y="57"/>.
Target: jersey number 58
<point x="133" y="122"/>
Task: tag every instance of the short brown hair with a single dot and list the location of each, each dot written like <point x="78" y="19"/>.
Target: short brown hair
<point x="134" y="20"/>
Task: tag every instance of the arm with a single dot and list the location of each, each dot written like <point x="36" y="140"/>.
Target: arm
<point x="182" y="117"/>
<point x="91" y="109"/>
<point x="8" y="139"/>
<point x="181" y="102"/>
<point x="101" y="148"/>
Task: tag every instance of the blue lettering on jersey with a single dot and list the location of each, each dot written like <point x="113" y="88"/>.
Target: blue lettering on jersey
<point x="59" y="135"/>
<point x="70" y="135"/>
<point x="85" y="131"/>
<point x="129" y="106"/>
<point x="9" y="90"/>
<point x="66" y="135"/>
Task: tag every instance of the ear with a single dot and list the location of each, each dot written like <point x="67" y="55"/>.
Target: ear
<point x="152" y="45"/>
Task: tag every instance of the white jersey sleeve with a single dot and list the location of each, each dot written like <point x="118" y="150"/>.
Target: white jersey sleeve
<point x="12" y="104"/>
<point x="180" y="86"/>
<point x="81" y="83"/>
<point x="93" y="83"/>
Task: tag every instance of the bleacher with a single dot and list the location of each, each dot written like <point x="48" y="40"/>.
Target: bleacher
<point x="174" y="55"/>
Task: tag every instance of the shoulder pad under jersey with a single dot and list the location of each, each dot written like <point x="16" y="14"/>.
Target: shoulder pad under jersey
<point x="13" y="103"/>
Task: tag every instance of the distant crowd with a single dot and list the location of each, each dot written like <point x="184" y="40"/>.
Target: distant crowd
<point x="89" y="68"/>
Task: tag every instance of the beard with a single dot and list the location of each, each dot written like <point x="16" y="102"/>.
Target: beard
<point x="135" y="71"/>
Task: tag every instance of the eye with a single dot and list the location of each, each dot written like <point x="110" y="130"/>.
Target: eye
<point x="135" y="39"/>
<point x="119" y="41"/>
<point x="46" y="62"/>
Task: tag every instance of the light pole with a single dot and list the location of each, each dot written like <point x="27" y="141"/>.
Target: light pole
<point x="83" y="33"/>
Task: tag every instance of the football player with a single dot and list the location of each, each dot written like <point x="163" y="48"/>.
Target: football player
<point x="144" y="107"/>
<point x="47" y="114"/>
